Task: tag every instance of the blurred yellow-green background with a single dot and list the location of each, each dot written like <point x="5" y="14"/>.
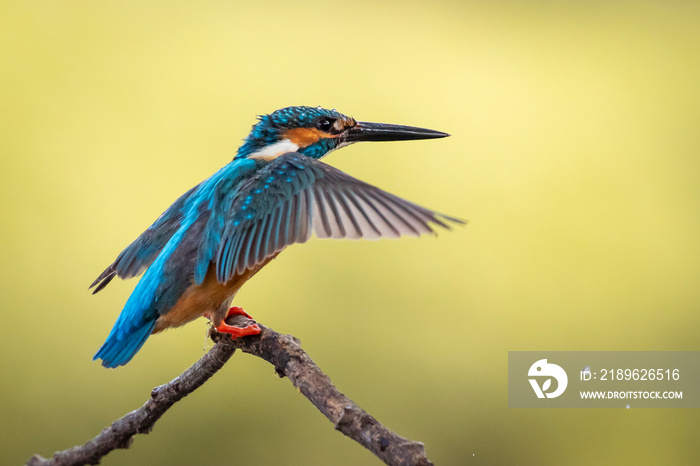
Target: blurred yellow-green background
<point x="574" y="155"/>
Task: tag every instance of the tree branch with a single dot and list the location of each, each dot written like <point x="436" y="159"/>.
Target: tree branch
<point x="283" y="352"/>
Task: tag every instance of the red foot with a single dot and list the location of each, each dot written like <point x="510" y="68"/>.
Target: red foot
<point x="236" y="332"/>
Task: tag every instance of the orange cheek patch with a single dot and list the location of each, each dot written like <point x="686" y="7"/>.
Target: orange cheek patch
<point x="304" y="137"/>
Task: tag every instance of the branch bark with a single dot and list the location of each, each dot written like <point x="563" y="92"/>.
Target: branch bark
<point x="289" y="360"/>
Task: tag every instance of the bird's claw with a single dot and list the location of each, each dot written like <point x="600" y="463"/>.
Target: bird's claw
<point x="237" y="332"/>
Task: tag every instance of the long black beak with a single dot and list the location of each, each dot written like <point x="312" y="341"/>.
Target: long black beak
<point x="365" y="131"/>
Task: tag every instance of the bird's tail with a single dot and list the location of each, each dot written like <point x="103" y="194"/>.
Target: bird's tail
<point x="121" y="346"/>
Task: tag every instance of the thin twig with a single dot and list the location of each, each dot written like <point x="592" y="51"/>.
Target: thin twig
<point x="289" y="360"/>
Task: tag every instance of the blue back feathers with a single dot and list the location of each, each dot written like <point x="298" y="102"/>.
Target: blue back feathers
<point x="170" y="269"/>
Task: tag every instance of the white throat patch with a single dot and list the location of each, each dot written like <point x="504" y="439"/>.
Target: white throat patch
<point x="273" y="151"/>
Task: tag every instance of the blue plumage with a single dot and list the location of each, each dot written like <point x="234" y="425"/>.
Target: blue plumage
<point x="274" y="193"/>
<point x="155" y="293"/>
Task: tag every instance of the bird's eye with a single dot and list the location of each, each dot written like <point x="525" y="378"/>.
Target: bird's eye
<point x="324" y="124"/>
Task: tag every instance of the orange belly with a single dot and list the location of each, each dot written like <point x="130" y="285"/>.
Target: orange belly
<point x="211" y="298"/>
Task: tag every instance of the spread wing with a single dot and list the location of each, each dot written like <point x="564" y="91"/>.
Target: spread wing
<point x="292" y="197"/>
<point x="143" y="251"/>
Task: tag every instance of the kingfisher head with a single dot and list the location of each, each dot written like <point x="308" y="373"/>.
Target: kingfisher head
<point x="316" y="131"/>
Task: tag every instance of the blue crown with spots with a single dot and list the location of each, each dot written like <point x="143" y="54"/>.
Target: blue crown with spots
<point x="270" y="129"/>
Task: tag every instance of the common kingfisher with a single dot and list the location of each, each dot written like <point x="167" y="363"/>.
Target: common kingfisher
<point x="274" y="193"/>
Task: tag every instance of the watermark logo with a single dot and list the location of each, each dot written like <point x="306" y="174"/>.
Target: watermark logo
<point x="542" y="369"/>
<point x="603" y="379"/>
